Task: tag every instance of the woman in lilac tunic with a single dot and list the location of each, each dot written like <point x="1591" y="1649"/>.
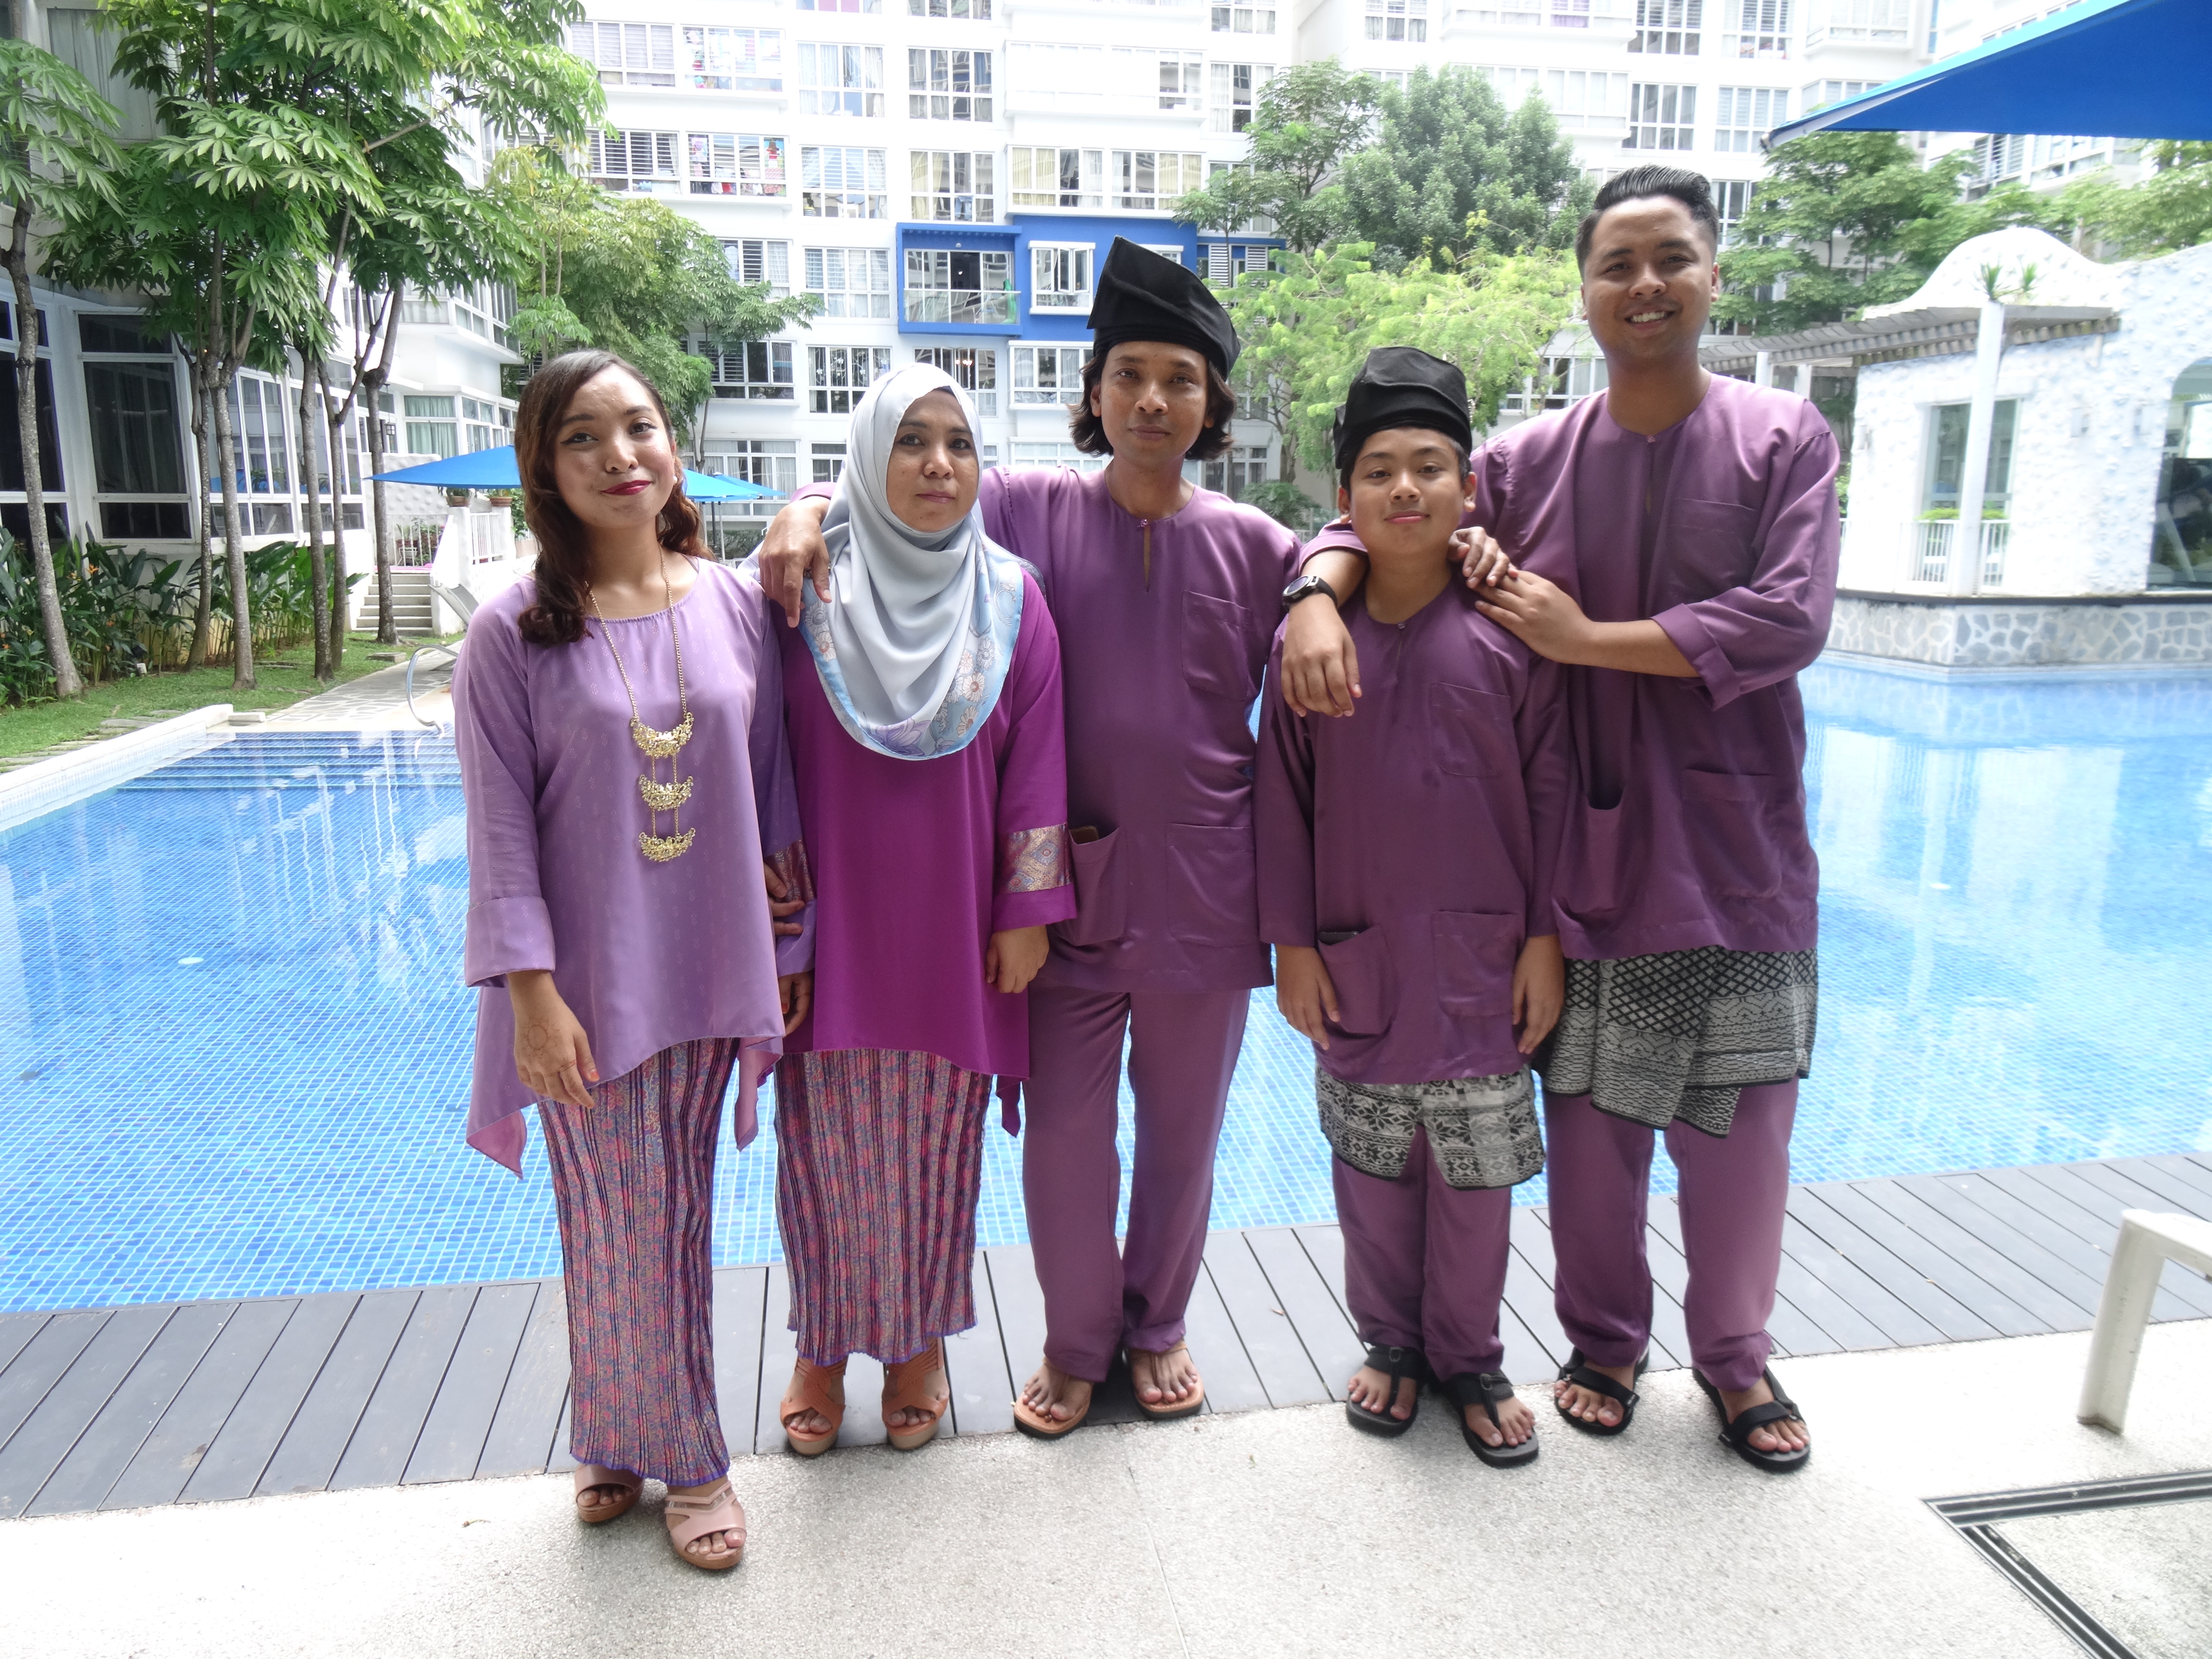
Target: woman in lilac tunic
<point x="620" y="724"/>
<point x="925" y="719"/>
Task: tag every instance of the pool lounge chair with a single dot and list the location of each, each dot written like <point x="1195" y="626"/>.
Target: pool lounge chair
<point x="462" y="604"/>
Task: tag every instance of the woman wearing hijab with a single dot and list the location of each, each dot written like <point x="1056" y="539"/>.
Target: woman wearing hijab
<point x="924" y="706"/>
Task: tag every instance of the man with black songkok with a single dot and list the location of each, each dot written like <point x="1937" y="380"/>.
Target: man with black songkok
<point x="1167" y="596"/>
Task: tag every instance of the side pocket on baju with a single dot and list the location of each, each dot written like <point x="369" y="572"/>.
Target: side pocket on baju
<point x="1732" y="822"/>
<point x="1101" y="894"/>
<point x="1366" y="983"/>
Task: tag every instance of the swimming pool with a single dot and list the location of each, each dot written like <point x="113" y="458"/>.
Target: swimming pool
<point x="233" y="1053"/>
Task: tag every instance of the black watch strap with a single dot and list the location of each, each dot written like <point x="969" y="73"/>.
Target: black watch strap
<point x="1305" y="587"/>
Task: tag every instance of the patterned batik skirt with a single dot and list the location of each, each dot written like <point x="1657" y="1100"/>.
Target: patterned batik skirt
<point x="1482" y="1130"/>
<point x="1677" y="1034"/>
<point x="634" y="1184"/>
<point x="879" y="1158"/>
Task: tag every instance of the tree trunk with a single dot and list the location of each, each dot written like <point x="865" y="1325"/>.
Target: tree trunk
<point x="66" y="683"/>
<point x="335" y="617"/>
<point x="387" y="633"/>
<point x="319" y="594"/>
<point x="203" y="441"/>
<point x="234" y="538"/>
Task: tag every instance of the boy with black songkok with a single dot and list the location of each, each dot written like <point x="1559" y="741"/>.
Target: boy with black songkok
<point x="1405" y="881"/>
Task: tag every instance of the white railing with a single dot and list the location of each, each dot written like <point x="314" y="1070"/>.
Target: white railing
<point x="1929" y="546"/>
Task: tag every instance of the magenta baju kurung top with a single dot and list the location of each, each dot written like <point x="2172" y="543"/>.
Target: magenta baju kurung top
<point x="918" y="862"/>
<point x="1159" y="679"/>
<point x="646" y="955"/>
<point x="1426" y="828"/>
<point x="1688" y="825"/>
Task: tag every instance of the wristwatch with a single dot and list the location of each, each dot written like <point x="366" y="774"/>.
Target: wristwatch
<point x="1304" y="588"/>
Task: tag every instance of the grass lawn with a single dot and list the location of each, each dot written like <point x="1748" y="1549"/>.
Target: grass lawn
<point x="283" y="677"/>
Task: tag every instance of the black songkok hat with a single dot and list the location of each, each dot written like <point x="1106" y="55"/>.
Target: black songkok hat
<point x="1401" y="386"/>
<point x="1142" y="295"/>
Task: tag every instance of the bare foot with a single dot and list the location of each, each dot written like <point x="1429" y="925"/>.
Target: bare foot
<point x="712" y="1548"/>
<point x="936" y="1385"/>
<point x="1587" y="1403"/>
<point x="593" y="1499"/>
<point x="1164" y="1379"/>
<point x="804" y="1420"/>
<point x="1370" y="1391"/>
<point x="1515" y="1422"/>
<point x="1055" y="1396"/>
<point x="1788" y="1434"/>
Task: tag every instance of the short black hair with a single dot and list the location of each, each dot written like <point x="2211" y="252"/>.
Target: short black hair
<point x="1459" y="451"/>
<point x="1692" y="190"/>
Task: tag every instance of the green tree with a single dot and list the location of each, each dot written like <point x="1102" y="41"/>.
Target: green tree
<point x="1447" y="150"/>
<point x="1847" y="220"/>
<point x="2171" y="208"/>
<point x="1308" y="119"/>
<point x="57" y="151"/>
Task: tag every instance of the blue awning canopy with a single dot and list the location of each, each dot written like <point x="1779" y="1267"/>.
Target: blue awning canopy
<point x="2105" y="69"/>
<point x="494" y="469"/>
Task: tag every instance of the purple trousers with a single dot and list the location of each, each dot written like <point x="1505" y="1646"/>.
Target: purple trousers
<point x="1734" y="1189"/>
<point x="1182" y="1053"/>
<point x="1425" y="1261"/>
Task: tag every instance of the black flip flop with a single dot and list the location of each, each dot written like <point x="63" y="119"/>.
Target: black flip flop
<point x="1736" y="1431"/>
<point x="1397" y="1365"/>
<point x="1488" y="1389"/>
<point x="1576" y="1370"/>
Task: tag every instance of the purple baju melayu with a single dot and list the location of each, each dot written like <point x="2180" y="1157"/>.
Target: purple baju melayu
<point x="669" y="968"/>
<point x="1686" y="865"/>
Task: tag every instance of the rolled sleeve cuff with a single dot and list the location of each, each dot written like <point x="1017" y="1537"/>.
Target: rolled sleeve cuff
<point x="1032" y="909"/>
<point x="1695" y="640"/>
<point x="814" y="492"/>
<point x="506" y="936"/>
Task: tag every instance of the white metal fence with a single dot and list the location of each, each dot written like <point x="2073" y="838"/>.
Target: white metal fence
<point x="1929" y="544"/>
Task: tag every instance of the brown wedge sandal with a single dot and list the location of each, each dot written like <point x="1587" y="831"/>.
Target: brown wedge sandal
<point x="906" y="1387"/>
<point x="813" y="1388"/>
<point x="692" y="1518"/>
<point x="1166" y="1413"/>
<point x="589" y="1475"/>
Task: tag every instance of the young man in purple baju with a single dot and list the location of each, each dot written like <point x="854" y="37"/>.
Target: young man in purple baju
<point x="1405" y="882"/>
<point x="1678" y="539"/>
<point x="1168" y="596"/>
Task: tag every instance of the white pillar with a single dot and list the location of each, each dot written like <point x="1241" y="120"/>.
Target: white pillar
<point x="1763" y="373"/>
<point x="1965" y="572"/>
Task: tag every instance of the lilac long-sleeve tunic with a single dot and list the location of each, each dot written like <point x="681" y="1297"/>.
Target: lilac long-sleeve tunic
<point x="646" y="955"/>
<point x="1688" y="827"/>
<point x="917" y="863"/>
<point x="1426" y="828"/>
<point x="1159" y="676"/>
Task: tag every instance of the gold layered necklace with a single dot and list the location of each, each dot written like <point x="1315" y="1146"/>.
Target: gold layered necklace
<point x="658" y="746"/>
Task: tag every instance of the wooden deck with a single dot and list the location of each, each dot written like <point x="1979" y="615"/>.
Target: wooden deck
<point x="112" y="1409"/>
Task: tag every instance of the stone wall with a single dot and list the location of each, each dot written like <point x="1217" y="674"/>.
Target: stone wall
<point x="2031" y="633"/>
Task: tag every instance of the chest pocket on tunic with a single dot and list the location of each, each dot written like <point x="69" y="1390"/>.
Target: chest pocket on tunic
<point x="1471" y="731"/>
<point x="1710" y="550"/>
<point x="1217" y="653"/>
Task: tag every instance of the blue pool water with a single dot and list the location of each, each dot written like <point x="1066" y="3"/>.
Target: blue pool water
<point x="234" y="1050"/>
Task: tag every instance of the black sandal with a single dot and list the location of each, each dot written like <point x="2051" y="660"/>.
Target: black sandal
<point x="1576" y="1370"/>
<point x="1736" y="1431"/>
<point x="1396" y="1364"/>
<point x="1488" y="1389"/>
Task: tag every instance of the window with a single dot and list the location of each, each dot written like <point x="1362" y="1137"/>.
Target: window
<point x="948" y="85"/>
<point x="1999" y="156"/>
<point x="1875" y="23"/>
<point x="1746" y="115"/>
<point x="837" y="182"/>
<point x="870" y="6"/>
<point x="1946" y="456"/>
<point x="1757" y="29"/>
<point x="949" y="285"/>
<point x="1225" y="262"/>
<point x="733" y="60"/>
<point x="1165" y="250"/>
<point x="1237" y="87"/>
<point x="1563" y="382"/>
<point x="1244" y="465"/>
<point x="840" y="374"/>
<point x="481" y="426"/>
<point x="1180" y="87"/>
<point x="736" y="164"/>
<point x="633" y="161"/>
<point x="1731" y="200"/>
<point x="1150" y="181"/>
<point x="627" y="54"/>
<point x="1059" y="177"/>
<point x="1047" y="374"/>
<point x="80" y="38"/>
<point x="1570" y="14"/>
<point x="828" y="462"/>
<point x="1668" y="26"/>
<point x="1028" y="457"/>
<point x="430" y="428"/>
<point x="839" y="80"/>
<point x="136" y="446"/>
<point x="1243" y="20"/>
<point x="1577" y="97"/>
<point x="1060" y="276"/>
<point x="771" y="463"/>
<point x="259" y="449"/>
<point x="954" y="184"/>
<point x="1661" y="117"/>
<point x="1822" y="93"/>
<point x="976" y="373"/>
<point x="1397" y="19"/>
<point x="750" y="369"/>
<point x="753" y="261"/>
<point x="852" y="282"/>
<point x="978" y="9"/>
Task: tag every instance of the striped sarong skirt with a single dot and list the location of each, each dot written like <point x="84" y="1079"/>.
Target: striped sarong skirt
<point x="633" y="1182"/>
<point x="880" y="1157"/>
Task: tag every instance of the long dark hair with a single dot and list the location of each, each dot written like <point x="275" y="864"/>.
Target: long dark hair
<point x="563" y="547"/>
<point x="1088" y="432"/>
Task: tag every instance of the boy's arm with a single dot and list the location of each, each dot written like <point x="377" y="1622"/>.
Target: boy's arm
<point x="1541" y="729"/>
<point x="1319" y="668"/>
<point x="1282" y="818"/>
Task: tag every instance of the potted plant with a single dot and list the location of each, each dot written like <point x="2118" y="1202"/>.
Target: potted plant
<point x="457" y="498"/>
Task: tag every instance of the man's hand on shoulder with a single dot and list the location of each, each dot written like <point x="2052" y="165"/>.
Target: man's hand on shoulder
<point x="792" y="552"/>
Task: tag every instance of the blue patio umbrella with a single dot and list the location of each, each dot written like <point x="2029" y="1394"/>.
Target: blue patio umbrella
<point x="494" y="469"/>
<point x="2114" y="68"/>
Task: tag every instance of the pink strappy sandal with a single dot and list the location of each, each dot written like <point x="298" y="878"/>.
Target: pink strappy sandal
<point x="692" y="1518"/>
<point x="813" y="1388"/>
<point x="906" y="1387"/>
<point x="589" y="1475"/>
